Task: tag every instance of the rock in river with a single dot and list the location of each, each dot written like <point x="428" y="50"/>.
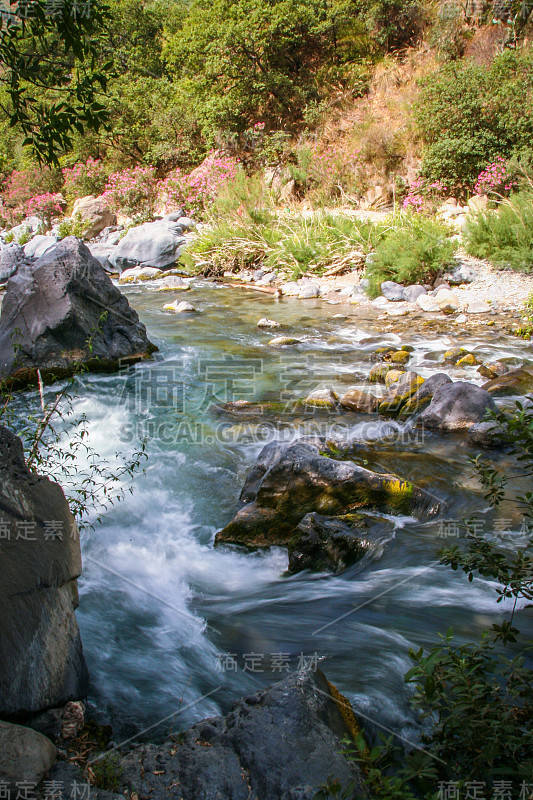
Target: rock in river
<point x="329" y="544"/>
<point x="456" y="406"/>
<point x="282" y="743"/>
<point x="291" y="481"/>
<point x="41" y="658"/>
<point x="63" y="312"/>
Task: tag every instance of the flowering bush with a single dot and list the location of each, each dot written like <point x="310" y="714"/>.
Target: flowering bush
<point x="132" y="192"/>
<point x="84" y="178"/>
<point x="495" y="179"/>
<point x="23" y="185"/>
<point x="423" y="196"/>
<point x="45" y="206"/>
<point x="197" y="190"/>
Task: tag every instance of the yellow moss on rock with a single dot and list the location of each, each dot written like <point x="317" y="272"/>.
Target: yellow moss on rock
<point x="346" y="711"/>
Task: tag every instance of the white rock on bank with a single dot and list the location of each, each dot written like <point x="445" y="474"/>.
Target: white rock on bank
<point x="447" y="301"/>
<point x="478" y="307"/>
<point x="427" y="303"/>
<point x="309" y="291"/>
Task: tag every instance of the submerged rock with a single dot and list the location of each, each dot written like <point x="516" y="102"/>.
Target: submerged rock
<point x="282" y="743"/>
<point x="65" y="312"/>
<point x="283" y="341"/>
<point x="41" y="658"/>
<point x="290" y="481"/>
<point x="456" y="406"/>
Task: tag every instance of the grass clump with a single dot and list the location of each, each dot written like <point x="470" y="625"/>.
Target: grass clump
<point x="295" y="245"/>
<point x="414" y="249"/>
<point x="504" y="236"/>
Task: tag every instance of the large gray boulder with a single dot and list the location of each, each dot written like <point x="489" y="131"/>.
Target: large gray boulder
<point x="25" y="755"/>
<point x="41" y="658"/>
<point x="102" y="251"/>
<point x="290" y="482"/>
<point x="63" y="312"/>
<point x="456" y="406"/>
<point x="282" y="743"/>
<point x="11" y="256"/>
<point x="423" y="395"/>
<point x="154" y="244"/>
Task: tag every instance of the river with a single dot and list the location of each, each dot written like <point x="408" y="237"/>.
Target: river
<point x="175" y="629"/>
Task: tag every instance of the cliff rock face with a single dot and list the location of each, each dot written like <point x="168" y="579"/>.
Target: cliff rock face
<point x="41" y="657"/>
<point x="63" y="311"/>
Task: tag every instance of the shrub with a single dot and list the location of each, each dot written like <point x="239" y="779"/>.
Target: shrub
<point x="132" y="192"/>
<point x="45" y="206"/>
<point x="423" y="196"/>
<point x="414" y="250"/>
<point x="197" y="190"/>
<point x="504" y="236"/>
<point x="496" y="179"/>
<point x="23" y="185"/>
<point x="84" y="178"/>
<point x="467" y="116"/>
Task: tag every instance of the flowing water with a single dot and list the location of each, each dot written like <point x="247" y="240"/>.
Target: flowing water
<point x="168" y="622"/>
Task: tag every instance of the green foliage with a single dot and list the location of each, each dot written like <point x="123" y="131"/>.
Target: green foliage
<point x="395" y="24"/>
<point x="468" y="116"/>
<point x="295" y="245"/>
<point x="72" y="226"/>
<point x="106" y="772"/>
<point x="243" y="61"/>
<point x="48" y="75"/>
<point x="413" y="250"/>
<point x="504" y="236"/>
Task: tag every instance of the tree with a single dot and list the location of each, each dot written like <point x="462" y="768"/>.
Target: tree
<point x="48" y="71"/>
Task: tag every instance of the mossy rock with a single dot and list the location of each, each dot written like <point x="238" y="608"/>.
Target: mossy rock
<point x="400" y="392"/>
<point x="399" y="357"/>
<point x="516" y="382"/>
<point x="392" y="376"/>
<point x="453" y="355"/>
<point x="378" y="373"/>
<point x="467" y="361"/>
